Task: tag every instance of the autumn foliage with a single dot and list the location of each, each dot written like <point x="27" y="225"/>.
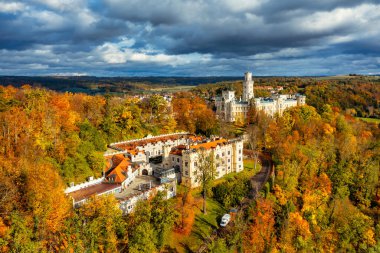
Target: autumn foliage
<point x="323" y="193"/>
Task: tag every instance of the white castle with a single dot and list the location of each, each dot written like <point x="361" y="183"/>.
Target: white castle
<point x="232" y="109"/>
<point x="138" y="169"/>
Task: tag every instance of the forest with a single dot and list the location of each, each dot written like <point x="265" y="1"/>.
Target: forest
<point x="102" y="85"/>
<point x="357" y="96"/>
<point x="324" y="195"/>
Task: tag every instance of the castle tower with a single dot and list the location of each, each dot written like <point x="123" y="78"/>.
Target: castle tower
<point x="248" y="87"/>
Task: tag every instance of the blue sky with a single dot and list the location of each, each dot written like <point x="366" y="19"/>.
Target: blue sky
<point x="189" y="38"/>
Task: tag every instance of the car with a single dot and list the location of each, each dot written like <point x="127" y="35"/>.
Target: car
<point x="225" y="219"/>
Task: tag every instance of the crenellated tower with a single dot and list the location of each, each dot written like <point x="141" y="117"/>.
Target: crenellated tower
<point x="248" y="87"/>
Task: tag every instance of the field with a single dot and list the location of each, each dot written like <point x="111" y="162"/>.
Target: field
<point x="370" y="120"/>
<point x="177" y="88"/>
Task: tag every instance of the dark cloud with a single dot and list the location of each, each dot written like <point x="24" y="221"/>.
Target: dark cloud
<point x="189" y="37"/>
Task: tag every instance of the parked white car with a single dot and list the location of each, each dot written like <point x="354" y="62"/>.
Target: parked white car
<point x="225" y="219"/>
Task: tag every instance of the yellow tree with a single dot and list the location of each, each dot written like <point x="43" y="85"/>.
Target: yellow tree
<point x="262" y="233"/>
<point x="296" y="236"/>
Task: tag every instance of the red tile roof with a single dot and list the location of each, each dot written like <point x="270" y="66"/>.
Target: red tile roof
<point x="120" y="172"/>
<point x="209" y="145"/>
<point x="178" y="150"/>
<point x="130" y="146"/>
<point x="92" y="190"/>
<point x="117" y="168"/>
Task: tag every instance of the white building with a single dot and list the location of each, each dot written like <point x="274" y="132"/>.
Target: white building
<point x="227" y="155"/>
<point x="141" y="167"/>
<point x="231" y="109"/>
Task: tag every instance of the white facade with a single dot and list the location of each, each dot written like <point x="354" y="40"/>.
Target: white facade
<point x="128" y="204"/>
<point x="228" y="157"/>
<point x="248" y="87"/>
<point x="151" y="146"/>
<point x="129" y="168"/>
<point x="231" y="109"/>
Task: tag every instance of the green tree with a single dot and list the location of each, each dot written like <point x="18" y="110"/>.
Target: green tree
<point x="163" y="218"/>
<point x="355" y="229"/>
<point x="219" y="246"/>
<point x="253" y="135"/>
<point x="103" y="227"/>
<point x="142" y="237"/>
<point x="205" y="172"/>
<point x="89" y="133"/>
<point x="20" y="237"/>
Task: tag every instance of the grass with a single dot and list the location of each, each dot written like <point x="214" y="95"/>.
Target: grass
<point x="249" y="165"/>
<point x="370" y="120"/>
<point x="174" y="88"/>
<point x="204" y="224"/>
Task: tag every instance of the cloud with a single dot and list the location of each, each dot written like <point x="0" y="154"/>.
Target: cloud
<point x="6" y="7"/>
<point x="122" y="51"/>
<point x="189" y="37"/>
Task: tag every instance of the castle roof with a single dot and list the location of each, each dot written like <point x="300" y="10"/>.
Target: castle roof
<point x="131" y="146"/>
<point x="209" y="145"/>
<point x="92" y="190"/>
<point x="117" y="168"/>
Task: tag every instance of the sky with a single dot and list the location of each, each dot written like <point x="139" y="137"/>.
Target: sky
<point x="189" y="37"/>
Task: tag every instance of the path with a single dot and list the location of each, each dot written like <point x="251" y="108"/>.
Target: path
<point x="257" y="182"/>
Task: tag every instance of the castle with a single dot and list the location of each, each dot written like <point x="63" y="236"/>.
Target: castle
<point x="231" y="109"/>
<point x="137" y="169"/>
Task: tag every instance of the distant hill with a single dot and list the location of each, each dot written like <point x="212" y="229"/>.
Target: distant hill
<point x="91" y="84"/>
<point x="138" y="85"/>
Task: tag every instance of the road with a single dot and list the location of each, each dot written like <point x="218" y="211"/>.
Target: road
<point x="257" y="182"/>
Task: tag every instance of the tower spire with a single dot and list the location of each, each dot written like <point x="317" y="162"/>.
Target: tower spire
<point x="248" y="87"/>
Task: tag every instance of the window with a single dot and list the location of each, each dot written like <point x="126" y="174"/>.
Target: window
<point x="186" y="164"/>
<point x="229" y="160"/>
<point x="173" y="159"/>
<point x="195" y="164"/>
<point x="229" y="152"/>
<point x="177" y="160"/>
<point x="223" y="154"/>
<point x="186" y="172"/>
<point x="239" y="151"/>
<point x="239" y="159"/>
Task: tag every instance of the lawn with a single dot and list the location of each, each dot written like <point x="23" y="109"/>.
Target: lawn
<point x="203" y="226"/>
<point x="249" y="165"/>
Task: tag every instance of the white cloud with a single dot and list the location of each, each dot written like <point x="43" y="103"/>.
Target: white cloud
<point x="242" y="5"/>
<point x="46" y="20"/>
<point x="209" y="37"/>
<point x="63" y="5"/>
<point x="13" y="7"/>
<point x="122" y="52"/>
<point x="69" y="74"/>
<point x="286" y="52"/>
<point x="339" y="18"/>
